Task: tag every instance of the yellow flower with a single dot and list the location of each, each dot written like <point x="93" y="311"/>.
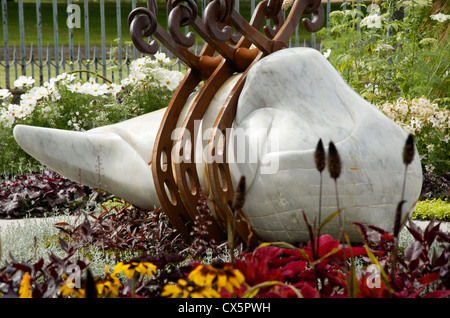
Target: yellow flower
<point x="130" y="268"/>
<point x="188" y="289"/>
<point x="108" y="286"/>
<point x="219" y="275"/>
<point x="69" y="289"/>
<point x="25" y="287"/>
<point x="73" y="292"/>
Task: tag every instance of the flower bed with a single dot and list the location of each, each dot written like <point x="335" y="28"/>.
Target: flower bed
<point x="164" y="265"/>
<point x="144" y="256"/>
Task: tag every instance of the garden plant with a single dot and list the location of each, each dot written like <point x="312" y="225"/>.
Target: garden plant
<point x="394" y="53"/>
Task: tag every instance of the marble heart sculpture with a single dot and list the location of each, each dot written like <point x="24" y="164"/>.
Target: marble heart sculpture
<point x="291" y="99"/>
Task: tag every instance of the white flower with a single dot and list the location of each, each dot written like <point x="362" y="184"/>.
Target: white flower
<point x="24" y="81"/>
<point x="39" y="92"/>
<point x="327" y="53"/>
<point x="440" y="17"/>
<point x="141" y="63"/>
<point x="382" y="47"/>
<point x="161" y="57"/>
<point x="28" y="104"/>
<point x="372" y="21"/>
<point x="74" y="88"/>
<point x="65" y="78"/>
<point x="371" y="88"/>
<point x="287" y="4"/>
<point x="7" y="119"/>
<point x="170" y="79"/>
<point x="429" y="168"/>
<point x="115" y="88"/>
<point x="134" y="78"/>
<point x="22" y="111"/>
<point x="4" y="93"/>
<point x="373" y="7"/>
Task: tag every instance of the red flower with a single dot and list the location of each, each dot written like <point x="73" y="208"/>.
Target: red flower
<point x="257" y="267"/>
<point x="330" y="246"/>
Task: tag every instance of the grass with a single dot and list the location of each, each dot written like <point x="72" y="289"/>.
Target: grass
<point x="94" y="22"/>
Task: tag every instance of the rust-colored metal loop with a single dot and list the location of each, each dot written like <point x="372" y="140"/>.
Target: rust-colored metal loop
<point x="173" y="166"/>
<point x="218" y="169"/>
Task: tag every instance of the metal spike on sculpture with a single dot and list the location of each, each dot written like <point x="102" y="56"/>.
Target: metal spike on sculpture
<point x="250" y="79"/>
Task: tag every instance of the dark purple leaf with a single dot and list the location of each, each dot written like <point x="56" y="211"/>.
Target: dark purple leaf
<point x="413" y="251"/>
<point x="63" y="244"/>
<point x="431" y="232"/>
<point x="415" y="231"/>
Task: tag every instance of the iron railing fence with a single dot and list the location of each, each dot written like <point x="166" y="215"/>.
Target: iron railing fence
<point x="111" y="60"/>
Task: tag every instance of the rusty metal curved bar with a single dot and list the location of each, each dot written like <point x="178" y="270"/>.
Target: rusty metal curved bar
<point x="218" y="169"/>
<point x="143" y="23"/>
<point x="222" y="10"/>
<point x="186" y="170"/>
<point x="176" y="181"/>
<point x="162" y="161"/>
<point x="181" y="15"/>
<point x="316" y="8"/>
<point x="143" y="26"/>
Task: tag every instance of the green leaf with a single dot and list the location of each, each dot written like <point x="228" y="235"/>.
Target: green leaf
<point x="329" y="218"/>
<point x="352" y="280"/>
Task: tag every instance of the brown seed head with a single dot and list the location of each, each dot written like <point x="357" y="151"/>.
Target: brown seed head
<point x="408" y="150"/>
<point x="319" y="156"/>
<point x="239" y="195"/>
<point x="334" y="161"/>
<point x="397" y="220"/>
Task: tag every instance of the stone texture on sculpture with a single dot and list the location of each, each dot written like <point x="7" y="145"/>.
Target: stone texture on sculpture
<point x="291" y="99"/>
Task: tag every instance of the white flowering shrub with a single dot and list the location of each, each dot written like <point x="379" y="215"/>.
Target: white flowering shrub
<point x="429" y="124"/>
<point x="67" y="102"/>
<point x="396" y="55"/>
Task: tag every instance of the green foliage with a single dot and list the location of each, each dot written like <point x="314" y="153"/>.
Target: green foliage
<point x="397" y="49"/>
<point x="426" y="210"/>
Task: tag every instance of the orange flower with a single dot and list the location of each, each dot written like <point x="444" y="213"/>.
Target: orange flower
<point x="25" y="287"/>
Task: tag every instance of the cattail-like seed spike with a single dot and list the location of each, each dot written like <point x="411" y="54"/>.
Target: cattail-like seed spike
<point x="91" y="290"/>
<point x="319" y="156"/>
<point x="239" y="195"/>
<point x="398" y="217"/>
<point x="408" y="150"/>
<point x="334" y="161"/>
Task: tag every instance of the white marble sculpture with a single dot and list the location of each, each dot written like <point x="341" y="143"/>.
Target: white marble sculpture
<point x="291" y="99"/>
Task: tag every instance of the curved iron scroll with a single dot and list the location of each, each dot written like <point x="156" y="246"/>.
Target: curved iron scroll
<point x="173" y="166"/>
